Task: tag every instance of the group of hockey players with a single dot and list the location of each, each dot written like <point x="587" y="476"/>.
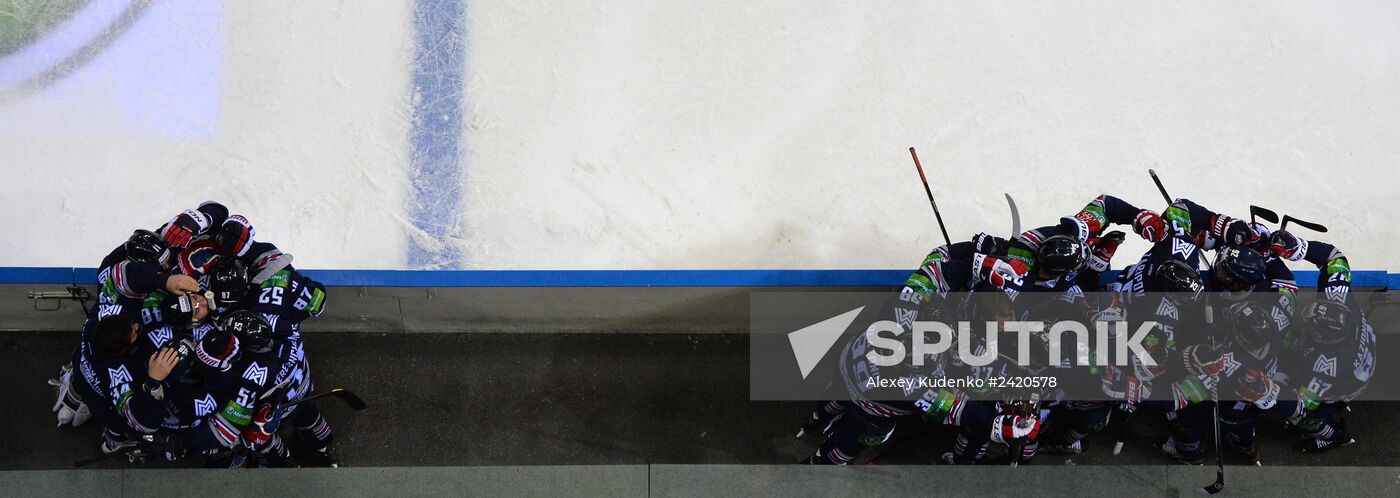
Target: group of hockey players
<point x="1233" y="340"/>
<point x="194" y="348"/>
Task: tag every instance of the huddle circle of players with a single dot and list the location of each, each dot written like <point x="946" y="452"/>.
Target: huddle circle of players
<point x="194" y="348"/>
<point x="1256" y="349"/>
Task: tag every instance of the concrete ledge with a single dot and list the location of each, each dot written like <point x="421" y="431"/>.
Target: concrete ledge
<point x="505" y="309"/>
<point x="1175" y="480"/>
<point x="473" y="309"/>
<point x="704" y="480"/>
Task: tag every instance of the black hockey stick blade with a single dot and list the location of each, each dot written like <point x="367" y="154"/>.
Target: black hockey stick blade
<point x="348" y="397"/>
<point x="1219" y="484"/>
<point x="1160" y="188"/>
<point x="1263" y="214"/>
<point x="1305" y="224"/>
<point x="1015" y="217"/>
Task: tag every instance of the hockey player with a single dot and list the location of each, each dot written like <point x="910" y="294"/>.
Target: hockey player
<point x="1238" y="359"/>
<point x="1333" y="358"/>
<point x="1087" y="228"/>
<point x="1255" y="328"/>
<point x="994" y="413"/>
<point x="128" y="274"/>
<point x="1332" y="366"/>
<point x="866" y="415"/>
<point x="134" y="281"/>
<point x="119" y="384"/>
<point x="252" y="375"/>
<point x="283" y="300"/>
<point x="1163" y="287"/>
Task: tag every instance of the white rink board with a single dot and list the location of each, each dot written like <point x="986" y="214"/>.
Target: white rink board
<point x="737" y="135"/>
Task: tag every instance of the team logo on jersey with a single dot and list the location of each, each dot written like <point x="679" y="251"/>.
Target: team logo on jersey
<point x="1280" y="318"/>
<point x="205" y="406"/>
<point x="159" y="337"/>
<point x="1183" y="247"/>
<point x="256" y="373"/>
<point x="1325" y="365"/>
<point x="107" y="310"/>
<point x="906" y="317"/>
<point x="202" y="329"/>
<point x="1072" y="295"/>
<point x="1231" y="364"/>
<point x="1167" y="309"/>
<point x="119" y="375"/>
<point x="1337" y="293"/>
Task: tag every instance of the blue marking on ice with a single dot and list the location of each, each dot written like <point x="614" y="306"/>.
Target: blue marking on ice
<point x="435" y="162"/>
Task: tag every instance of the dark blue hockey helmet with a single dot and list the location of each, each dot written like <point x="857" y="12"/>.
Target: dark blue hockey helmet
<point x="1239" y="269"/>
<point x="1329" y="322"/>
<point x="228" y="281"/>
<point x="252" y="330"/>
<point x="1248" y="324"/>
<point x="1061" y="254"/>
<point x="1178" y="279"/>
<point x="145" y="246"/>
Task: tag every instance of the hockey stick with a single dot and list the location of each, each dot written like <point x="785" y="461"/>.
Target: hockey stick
<point x="1219" y="484"/>
<point x="1122" y="432"/>
<point x="931" y="202"/>
<point x="348" y="397"/>
<point x="1265" y="214"/>
<point x="1305" y="224"/>
<point x="1160" y="188"/>
<point x="1015" y="217"/>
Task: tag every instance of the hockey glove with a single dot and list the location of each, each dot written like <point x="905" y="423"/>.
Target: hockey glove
<point x="1149" y="225"/>
<point x="263" y="426"/>
<point x="1232" y="231"/>
<point x="1104" y="249"/>
<point x="235" y="235"/>
<point x="1259" y="389"/>
<point x="1007" y="429"/>
<point x="1287" y="246"/>
<point x="183" y="227"/>
<point x="1202" y="361"/>
<point x="997" y="271"/>
<point x="988" y="244"/>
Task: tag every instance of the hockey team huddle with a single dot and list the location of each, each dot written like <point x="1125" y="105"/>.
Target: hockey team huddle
<point x="194" y="348"/>
<point x="1232" y="341"/>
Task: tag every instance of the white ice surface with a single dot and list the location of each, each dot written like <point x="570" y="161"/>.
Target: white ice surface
<point x="309" y="140"/>
<point x="736" y="134"/>
<point x="632" y="134"/>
